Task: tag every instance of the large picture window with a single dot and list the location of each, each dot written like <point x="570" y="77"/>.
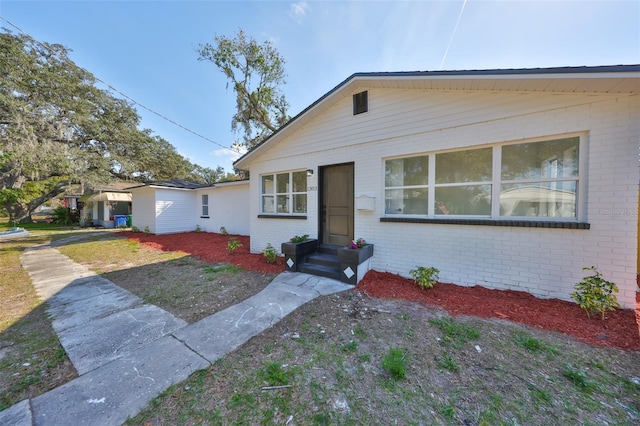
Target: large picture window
<point x="284" y="193"/>
<point x="534" y="179"/>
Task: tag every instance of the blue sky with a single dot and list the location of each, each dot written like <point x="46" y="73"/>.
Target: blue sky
<point x="147" y="49"/>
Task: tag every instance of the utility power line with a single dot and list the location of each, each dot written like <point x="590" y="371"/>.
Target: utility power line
<point x="235" y="151"/>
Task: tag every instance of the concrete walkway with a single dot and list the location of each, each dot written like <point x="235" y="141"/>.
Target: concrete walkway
<point x="127" y="352"/>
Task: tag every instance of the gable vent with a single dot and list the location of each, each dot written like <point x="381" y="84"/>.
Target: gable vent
<point x="360" y="102"/>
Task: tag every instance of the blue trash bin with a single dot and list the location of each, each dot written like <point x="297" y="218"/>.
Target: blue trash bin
<point x="120" y="221"/>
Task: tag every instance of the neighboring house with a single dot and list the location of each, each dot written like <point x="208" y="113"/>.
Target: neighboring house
<point x="182" y="206"/>
<point x="509" y="179"/>
<point x="70" y="201"/>
<point x="101" y="207"/>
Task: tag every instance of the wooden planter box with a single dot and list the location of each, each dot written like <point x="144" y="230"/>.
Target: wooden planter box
<point x="295" y="253"/>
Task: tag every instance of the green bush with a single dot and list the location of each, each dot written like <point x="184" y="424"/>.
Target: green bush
<point x="223" y="231"/>
<point x="270" y="254"/>
<point x="594" y="294"/>
<point x="425" y="277"/>
<point x="233" y="245"/>
<point x="65" y="216"/>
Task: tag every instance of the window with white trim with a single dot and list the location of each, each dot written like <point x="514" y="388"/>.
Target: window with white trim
<point x="284" y="193"/>
<point x="526" y="180"/>
<point x="463" y="183"/>
<point x="205" y="205"/>
<point x="540" y="179"/>
<point x="406" y="185"/>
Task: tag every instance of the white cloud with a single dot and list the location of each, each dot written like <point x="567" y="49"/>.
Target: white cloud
<point x="222" y="152"/>
<point x="225" y="158"/>
<point x="297" y="11"/>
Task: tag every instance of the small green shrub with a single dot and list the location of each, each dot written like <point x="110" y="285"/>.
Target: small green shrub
<point x="233" y="245"/>
<point x="147" y="230"/>
<point x="299" y="238"/>
<point x="425" y="277"/>
<point x="135" y="229"/>
<point x="395" y="363"/>
<point x="594" y="294"/>
<point x="65" y="216"/>
<point x="198" y="229"/>
<point x="270" y="254"/>
<point x="223" y="231"/>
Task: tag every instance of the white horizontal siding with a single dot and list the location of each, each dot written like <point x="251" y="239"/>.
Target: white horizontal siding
<point x="402" y="113"/>
<point x="228" y="208"/>
<point x="545" y="262"/>
<point x="174" y="211"/>
<point x="143" y="209"/>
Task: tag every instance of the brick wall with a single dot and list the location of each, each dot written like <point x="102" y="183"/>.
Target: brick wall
<point x="545" y="262"/>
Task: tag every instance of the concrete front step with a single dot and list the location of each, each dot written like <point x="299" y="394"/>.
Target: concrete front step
<point x="328" y="249"/>
<point x="320" y="270"/>
<point x="324" y="262"/>
<point x="323" y="259"/>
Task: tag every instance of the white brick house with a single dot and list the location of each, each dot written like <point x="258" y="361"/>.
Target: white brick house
<point x="510" y="179"/>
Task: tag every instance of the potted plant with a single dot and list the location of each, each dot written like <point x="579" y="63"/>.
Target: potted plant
<point x="356" y="252"/>
<point x="296" y="249"/>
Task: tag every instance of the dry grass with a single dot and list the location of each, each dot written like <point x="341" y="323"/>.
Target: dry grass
<point x="31" y="358"/>
<point x="330" y="354"/>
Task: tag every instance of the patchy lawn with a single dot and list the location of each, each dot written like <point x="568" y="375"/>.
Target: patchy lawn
<point x="352" y="358"/>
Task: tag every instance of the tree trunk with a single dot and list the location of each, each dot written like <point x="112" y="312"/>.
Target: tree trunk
<point x="20" y="212"/>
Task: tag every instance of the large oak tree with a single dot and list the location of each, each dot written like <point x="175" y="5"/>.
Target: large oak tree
<point x="256" y="72"/>
<point x="58" y="129"/>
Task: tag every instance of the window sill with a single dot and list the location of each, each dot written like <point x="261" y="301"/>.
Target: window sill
<point x="280" y="216"/>
<point x="204" y="217"/>
<point x="492" y="222"/>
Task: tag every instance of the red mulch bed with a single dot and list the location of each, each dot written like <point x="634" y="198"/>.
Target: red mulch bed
<point x="209" y="247"/>
<point x="621" y="329"/>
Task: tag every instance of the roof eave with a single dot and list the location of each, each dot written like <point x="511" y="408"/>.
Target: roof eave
<point x="606" y="71"/>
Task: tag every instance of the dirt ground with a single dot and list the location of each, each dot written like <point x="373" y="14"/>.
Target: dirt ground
<point x="495" y="362"/>
<point x="621" y="329"/>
